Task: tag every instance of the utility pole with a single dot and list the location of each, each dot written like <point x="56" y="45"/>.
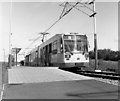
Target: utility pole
<point x="95" y="38"/>
<point x="95" y="34"/>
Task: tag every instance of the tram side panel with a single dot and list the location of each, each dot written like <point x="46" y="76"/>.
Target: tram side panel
<point x="48" y="55"/>
<point x="44" y="56"/>
<point x="57" y="56"/>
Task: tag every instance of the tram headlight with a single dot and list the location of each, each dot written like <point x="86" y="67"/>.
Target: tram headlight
<point x="67" y="56"/>
<point x="86" y="56"/>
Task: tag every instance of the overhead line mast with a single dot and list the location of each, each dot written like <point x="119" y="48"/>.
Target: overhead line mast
<point x="95" y="37"/>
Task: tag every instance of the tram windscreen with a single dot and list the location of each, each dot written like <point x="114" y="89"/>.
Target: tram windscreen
<point x="77" y="42"/>
<point x="69" y="45"/>
<point x="82" y="43"/>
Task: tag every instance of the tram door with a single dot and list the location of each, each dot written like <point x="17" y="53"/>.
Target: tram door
<point x="49" y="54"/>
<point x="46" y="55"/>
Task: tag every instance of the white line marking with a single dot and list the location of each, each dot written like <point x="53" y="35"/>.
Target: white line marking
<point x="1" y="95"/>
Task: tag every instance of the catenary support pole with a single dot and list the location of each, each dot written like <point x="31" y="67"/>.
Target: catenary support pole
<point x="95" y="38"/>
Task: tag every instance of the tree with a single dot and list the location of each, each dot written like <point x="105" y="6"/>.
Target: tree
<point x="106" y="54"/>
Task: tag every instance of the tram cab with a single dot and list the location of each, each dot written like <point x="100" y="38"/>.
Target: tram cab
<point x="75" y="49"/>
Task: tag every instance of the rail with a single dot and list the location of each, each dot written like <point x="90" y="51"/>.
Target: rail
<point x="104" y="75"/>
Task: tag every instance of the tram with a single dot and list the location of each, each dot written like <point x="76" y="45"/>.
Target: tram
<point x="66" y="50"/>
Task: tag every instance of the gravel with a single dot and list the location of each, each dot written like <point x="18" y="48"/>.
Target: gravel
<point x="114" y="82"/>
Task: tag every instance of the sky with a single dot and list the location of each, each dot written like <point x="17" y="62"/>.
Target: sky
<point x="25" y="20"/>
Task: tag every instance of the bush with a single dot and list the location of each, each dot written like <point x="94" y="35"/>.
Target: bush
<point x="106" y="54"/>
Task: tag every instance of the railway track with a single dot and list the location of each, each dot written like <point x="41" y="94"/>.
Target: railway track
<point x="104" y="75"/>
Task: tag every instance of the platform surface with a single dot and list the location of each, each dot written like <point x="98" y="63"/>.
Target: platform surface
<point x="55" y="84"/>
<point x="40" y="74"/>
<point x="77" y="89"/>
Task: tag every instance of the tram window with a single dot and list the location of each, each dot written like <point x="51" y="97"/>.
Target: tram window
<point x="50" y="47"/>
<point x="54" y="47"/>
<point x="39" y="53"/>
<point x="36" y="53"/>
<point x="69" y="45"/>
<point x="81" y="37"/>
<point x="82" y="45"/>
<point x="69" y="37"/>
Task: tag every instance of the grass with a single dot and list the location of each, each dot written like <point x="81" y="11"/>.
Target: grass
<point x="103" y="65"/>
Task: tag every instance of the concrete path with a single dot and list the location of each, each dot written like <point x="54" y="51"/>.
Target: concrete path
<point x="77" y="89"/>
<point x="52" y="83"/>
<point x="39" y="74"/>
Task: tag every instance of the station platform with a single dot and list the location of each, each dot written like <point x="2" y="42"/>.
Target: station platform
<point x="18" y="75"/>
<point x="53" y="83"/>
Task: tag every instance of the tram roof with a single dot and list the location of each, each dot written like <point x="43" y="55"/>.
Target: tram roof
<point x="50" y="40"/>
<point x="57" y="36"/>
<point x="73" y="33"/>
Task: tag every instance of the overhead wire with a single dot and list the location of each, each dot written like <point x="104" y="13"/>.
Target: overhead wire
<point x="54" y="23"/>
<point x="81" y="11"/>
<point x="63" y="8"/>
<point x="87" y="7"/>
